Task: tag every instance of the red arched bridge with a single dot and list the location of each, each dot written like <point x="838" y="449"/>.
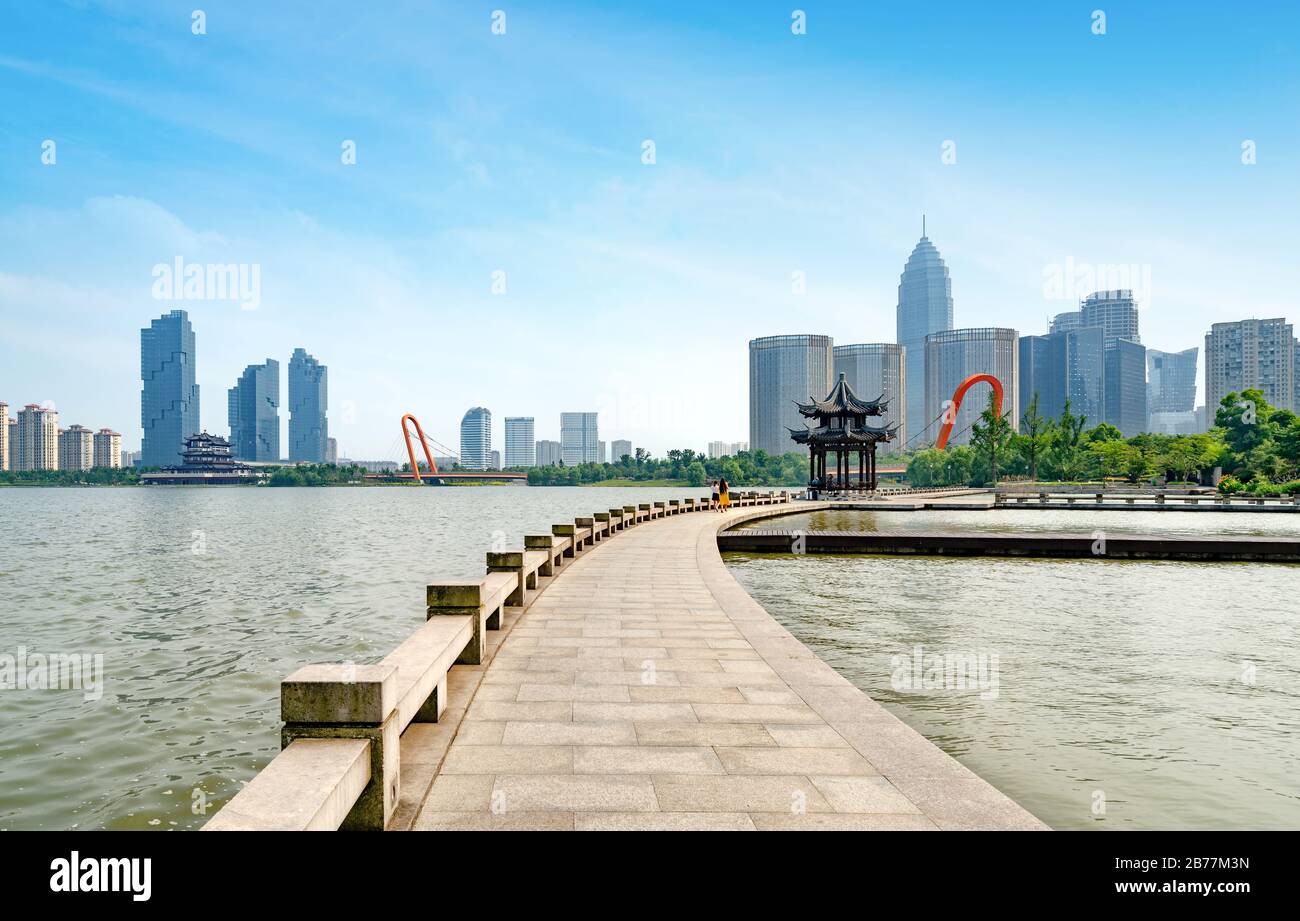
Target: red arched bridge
<point x="431" y="471"/>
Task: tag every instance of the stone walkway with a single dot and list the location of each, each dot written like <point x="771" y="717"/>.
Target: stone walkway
<point x="645" y="689"/>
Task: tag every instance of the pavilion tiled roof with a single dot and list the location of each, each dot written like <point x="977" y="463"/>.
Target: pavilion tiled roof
<point x="842" y="401"/>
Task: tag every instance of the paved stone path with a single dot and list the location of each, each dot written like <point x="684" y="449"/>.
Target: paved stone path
<point x="645" y="689"/>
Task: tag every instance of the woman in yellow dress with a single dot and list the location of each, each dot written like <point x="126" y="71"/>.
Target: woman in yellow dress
<point x="724" y="495"/>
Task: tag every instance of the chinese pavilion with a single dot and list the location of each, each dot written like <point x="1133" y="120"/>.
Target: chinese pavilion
<point x="842" y="430"/>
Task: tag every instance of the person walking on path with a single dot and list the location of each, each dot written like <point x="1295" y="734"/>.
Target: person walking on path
<point x="724" y="495"/>
<point x="713" y="503"/>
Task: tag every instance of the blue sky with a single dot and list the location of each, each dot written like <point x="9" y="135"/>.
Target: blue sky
<point x="630" y="289"/>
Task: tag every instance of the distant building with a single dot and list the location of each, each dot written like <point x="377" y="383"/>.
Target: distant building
<point x="495" y="463"/>
<point x="476" y="439"/>
<point x="600" y="452"/>
<point x="1259" y="354"/>
<point x="76" y="448"/>
<point x="1126" y="386"/>
<point x="1176" y="423"/>
<point x="4" y="436"/>
<point x="579" y="438"/>
<point x="1068" y="364"/>
<point x="331" y="451"/>
<point x="253" y="411"/>
<point x="372" y="466"/>
<point x="131" y="459"/>
<point x="1171" y="380"/>
<point x="549" y="453"/>
<point x="924" y="307"/>
<point x="1114" y="312"/>
<point x="621" y="449"/>
<point x="955" y="354"/>
<point x="784" y="370"/>
<point x="308" y="408"/>
<point x="520" y="450"/>
<point x="169" y="397"/>
<point x="878" y="370"/>
<point x="108" y="448"/>
<point x="36" y="441"/>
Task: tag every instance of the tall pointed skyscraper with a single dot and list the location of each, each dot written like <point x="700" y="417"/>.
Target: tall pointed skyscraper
<point x="924" y="307"/>
<point x="169" y="397"/>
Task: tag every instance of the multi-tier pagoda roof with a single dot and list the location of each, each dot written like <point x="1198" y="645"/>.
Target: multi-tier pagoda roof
<point x="842" y="419"/>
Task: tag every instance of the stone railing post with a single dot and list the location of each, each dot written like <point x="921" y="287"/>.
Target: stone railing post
<point x="545" y="543"/>
<point x="463" y="597"/>
<point x="509" y="561"/>
<point x="350" y="702"/>
<point x="589" y="523"/>
<point x="569" y="531"/>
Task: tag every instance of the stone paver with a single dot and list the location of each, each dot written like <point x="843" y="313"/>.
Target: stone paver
<point x="643" y="689"/>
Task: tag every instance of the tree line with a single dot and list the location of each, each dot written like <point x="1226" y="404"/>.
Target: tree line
<point x="1257" y="447"/>
<point x="746" y="468"/>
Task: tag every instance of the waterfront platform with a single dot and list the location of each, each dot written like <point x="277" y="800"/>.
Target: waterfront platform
<point x="629" y="683"/>
<point x="1100" y="545"/>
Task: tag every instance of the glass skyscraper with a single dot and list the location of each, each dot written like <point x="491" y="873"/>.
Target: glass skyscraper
<point x="308" y="404"/>
<point x="953" y="355"/>
<point x="873" y="369"/>
<point x="1126" y="386"/>
<point x="784" y="370"/>
<point x="1065" y="365"/>
<point x="253" y="410"/>
<point x="520" y="447"/>
<point x="169" y="397"/>
<point x="476" y="439"/>
<point x="579" y="438"/>
<point x="924" y="307"/>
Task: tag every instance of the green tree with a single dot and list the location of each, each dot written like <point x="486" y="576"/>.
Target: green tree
<point x="1036" y="431"/>
<point x="991" y="437"/>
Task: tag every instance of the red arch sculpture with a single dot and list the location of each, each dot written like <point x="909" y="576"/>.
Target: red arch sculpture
<point x="410" y="452"/>
<point x="951" y="413"/>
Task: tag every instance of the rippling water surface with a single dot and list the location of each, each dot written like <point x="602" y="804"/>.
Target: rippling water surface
<point x="200" y="601"/>
<point x="1167" y="692"/>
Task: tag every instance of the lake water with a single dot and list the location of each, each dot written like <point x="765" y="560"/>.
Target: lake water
<point x="1125" y="678"/>
<point x="1128" y="694"/>
<point x="200" y="601"/>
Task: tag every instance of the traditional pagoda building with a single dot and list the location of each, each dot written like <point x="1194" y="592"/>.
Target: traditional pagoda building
<point x="842" y="430"/>
<point x="207" y="462"/>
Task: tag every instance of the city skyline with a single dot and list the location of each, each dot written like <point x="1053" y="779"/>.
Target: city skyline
<point x="457" y="129"/>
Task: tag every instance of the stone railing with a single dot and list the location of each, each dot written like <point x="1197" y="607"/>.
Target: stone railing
<point x="340" y="763"/>
<point x="1147" y="499"/>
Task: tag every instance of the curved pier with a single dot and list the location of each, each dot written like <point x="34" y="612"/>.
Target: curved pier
<point x="602" y="684"/>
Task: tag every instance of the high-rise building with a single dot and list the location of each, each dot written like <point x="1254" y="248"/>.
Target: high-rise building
<point x="1171" y="392"/>
<point x="876" y="369"/>
<point x="4" y="436"/>
<point x="169" y="397"/>
<point x="253" y="409"/>
<point x="494" y="459"/>
<point x="1258" y="354"/>
<point x="622" y="448"/>
<point x="549" y="453"/>
<point x="108" y="448"/>
<point x="1065" y="365"/>
<point x="308" y="406"/>
<point x="12" y="433"/>
<point x="331" y="450"/>
<point x="1171" y="380"/>
<point x="36" y="445"/>
<point x="953" y="355"/>
<point x="1126" y="386"/>
<point x="476" y="439"/>
<point x="579" y="438"/>
<point x="1115" y="312"/>
<point x="784" y="370"/>
<point x="520" y="450"/>
<point x="600" y="452"/>
<point x="130" y="459"/>
<point x="924" y="307"/>
<point x="76" y="448"/>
